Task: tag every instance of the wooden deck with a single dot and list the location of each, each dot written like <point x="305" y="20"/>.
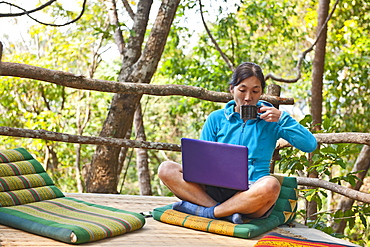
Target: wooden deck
<point x="153" y="233"/>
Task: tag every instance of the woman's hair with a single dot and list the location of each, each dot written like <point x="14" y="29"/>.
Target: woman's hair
<point x="246" y="70"/>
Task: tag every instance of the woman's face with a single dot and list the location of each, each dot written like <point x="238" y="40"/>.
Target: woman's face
<point x="247" y="92"/>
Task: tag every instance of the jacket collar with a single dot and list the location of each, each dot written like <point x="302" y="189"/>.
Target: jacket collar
<point x="229" y="109"/>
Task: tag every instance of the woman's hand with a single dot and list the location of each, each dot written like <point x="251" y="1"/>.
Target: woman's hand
<point x="270" y="114"/>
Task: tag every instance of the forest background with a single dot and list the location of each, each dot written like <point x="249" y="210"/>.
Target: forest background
<point x="273" y="34"/>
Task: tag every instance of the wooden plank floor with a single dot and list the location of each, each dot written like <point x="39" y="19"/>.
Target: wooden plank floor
<point x="153" y="233"/>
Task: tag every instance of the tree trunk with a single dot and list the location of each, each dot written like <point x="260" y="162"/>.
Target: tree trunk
<point x="318" y="65"/>
<point x="137" y="67"/>
<point x="362" y="164"/>
<point x="317" y="86"/>
<point x="122" y="156"/>
<point x="53" y="161"/>
<point x="80" y="185"/>
<point x="142" y="156"/>
<point x="81" y="123"/>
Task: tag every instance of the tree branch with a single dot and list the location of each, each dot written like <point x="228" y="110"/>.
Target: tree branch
<point x="25" y="12"/>
<point x="156" y="42"/>
<point x="113" y="19"/>
<point x="223" y="55"/>
<point x="303" y="55"/>
<point x="344" y="137"/>
<point x="332" y="138"/>
<point x="60" y="137"/>
<point x="128" y="9"/>
<point x="135" y="41"/>
<point x="80" y="82"/>
<point x="54" y="136"/>
<point x="43" y="23"/>
<point x="350" y="193"/>
<point x="358" y="138"/>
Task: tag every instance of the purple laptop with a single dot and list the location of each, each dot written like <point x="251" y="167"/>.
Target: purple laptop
<point x="213" y="163"/>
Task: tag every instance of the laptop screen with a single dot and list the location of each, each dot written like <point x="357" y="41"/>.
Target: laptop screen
<point x="216" y="164"/>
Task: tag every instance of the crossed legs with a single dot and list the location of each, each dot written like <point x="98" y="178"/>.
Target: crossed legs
<point x="254" y="202"/>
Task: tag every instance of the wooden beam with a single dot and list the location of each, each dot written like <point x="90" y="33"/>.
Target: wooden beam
<point x="81" y="82"/>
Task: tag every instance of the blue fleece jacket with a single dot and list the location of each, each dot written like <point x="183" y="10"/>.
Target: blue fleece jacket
<point x="226" y="126"/>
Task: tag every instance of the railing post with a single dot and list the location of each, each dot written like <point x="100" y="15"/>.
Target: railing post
<point x="274" y="90"/>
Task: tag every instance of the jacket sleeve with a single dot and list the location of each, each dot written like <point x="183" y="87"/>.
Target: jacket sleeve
<point x="296" y="134"/>
<point x="209" y="131"/>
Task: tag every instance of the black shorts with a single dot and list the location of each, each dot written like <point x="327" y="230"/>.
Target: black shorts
<point x="223" y="194"/>
<point x="220" y="194"/>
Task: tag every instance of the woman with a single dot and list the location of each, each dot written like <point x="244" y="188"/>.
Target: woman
<point x="260" y="136"/>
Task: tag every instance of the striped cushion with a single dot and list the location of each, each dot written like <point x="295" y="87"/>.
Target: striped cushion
<point x="275" y="239"/>
<point x="19" y="197"/>
<point x="23" y="167"/>
<point x="14" y="155"/>
<point x="23" y="179"/>
<point x="71" y="220"/>
<point x="170" y="216"/>
<point x="283" y="212"/>
<point x="30" y="201"/>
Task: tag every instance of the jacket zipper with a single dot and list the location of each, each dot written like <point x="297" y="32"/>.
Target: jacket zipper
<point x="242" y="133"/>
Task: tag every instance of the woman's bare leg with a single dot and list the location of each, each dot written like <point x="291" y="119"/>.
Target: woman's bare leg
<point x="254" y="202"/>
<point x="171" y="175"/>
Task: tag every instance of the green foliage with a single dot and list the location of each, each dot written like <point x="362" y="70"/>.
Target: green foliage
<point x="322" y="160"/>
<point x="32" y="104"/>
<point x="331" y="162"/>
<point x="347" y="67"/>
<point x="357" y="218"/>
